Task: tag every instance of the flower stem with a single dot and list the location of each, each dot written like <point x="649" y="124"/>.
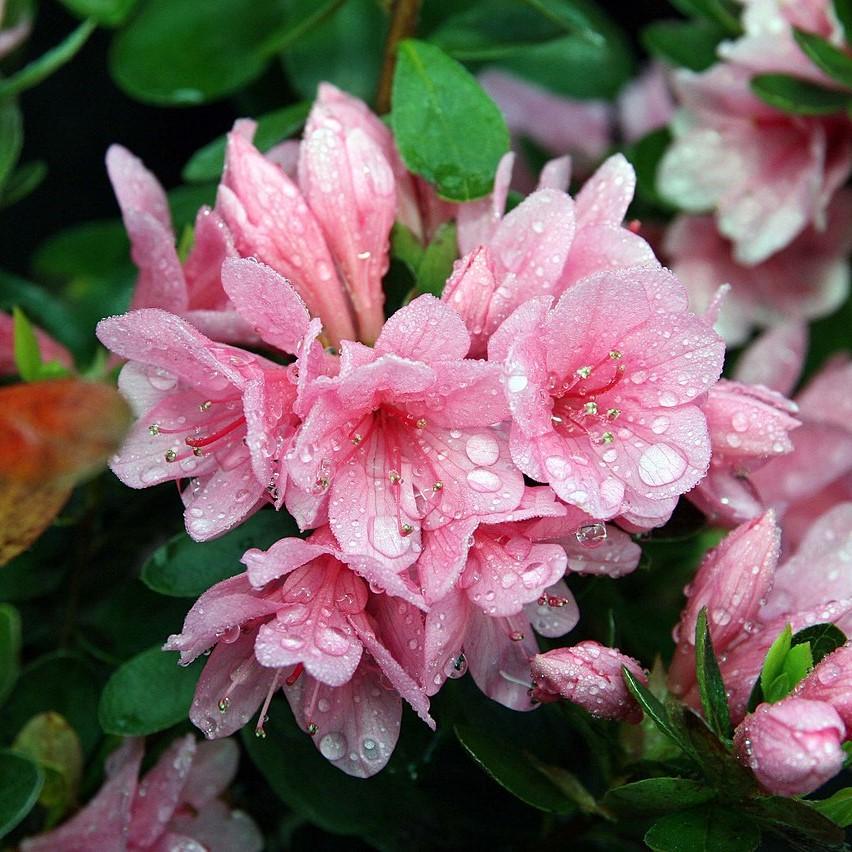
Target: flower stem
<point x="402" y="25"/>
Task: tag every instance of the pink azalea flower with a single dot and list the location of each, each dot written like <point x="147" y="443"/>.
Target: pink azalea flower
<point x="768" y="175"/>
<point x="207" y="411"/>
<point x="542" y="247"/>
<point x="646" y="103"/>
<point x="603" y="389"/>
<point x="328" y="233"/>
<point x="750" y="599"/>
<point x="589" y="675"/>
<point x="806" y="279"/>
<point x="793" y="747"/>
<point x="406" y="437"/>
<point x="49" y="349"/>
<point x="192" y="290"/>
<point x="558" y="125"/>
<point x="13" y="36"/>
<point x="176" y="805"/>
<point x="749" y="425"/>
<point x="831" y="681"/>
<point x="301" y="619"/>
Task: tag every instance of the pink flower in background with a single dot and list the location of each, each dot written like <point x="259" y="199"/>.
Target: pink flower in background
<point x="328" y="233"/>
<point x="209" y="412"/>
<point x="646" y="103"/>
<point x="559" y="125"/>
<point x="749" y="425"/>
<point x="793" y="747"/>
<point x="589" y="675"/>
<point x="192" y="289"/>
<point x="176" y="805"/>
<point x="603" y="389"/>
<point x="750" y="599"/>
<point x="543" y="247"/>
<point x="301" y="620"/>
<point x="49" y="349"/>
<point x="406" y="437"/>
<point x="12" y="36"/>
<point x="807" y="279"/>
<point x="767" y="175"/>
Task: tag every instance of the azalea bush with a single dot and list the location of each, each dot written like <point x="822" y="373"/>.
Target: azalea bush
<point x="443" y="438"/>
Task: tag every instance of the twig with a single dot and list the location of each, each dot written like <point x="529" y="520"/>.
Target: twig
<point x="402" y="25"/>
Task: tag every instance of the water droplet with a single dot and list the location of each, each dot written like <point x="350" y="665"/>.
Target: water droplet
<point x="333" y="746"/>
<point x="591" y="535"/>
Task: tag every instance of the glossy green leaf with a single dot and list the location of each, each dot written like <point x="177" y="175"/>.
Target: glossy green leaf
<point x="62" y="682"/>
<point x="654" y="709"/>
<point x="10" y="649"/>
<point x="53" y="744"/>
<point x="21" y="782"/>
<point x="645" y="155"/>
<point x="718" y="764"/>
<point x="773" y="664"/>
<point x="688" y="44"/>
<point x="186" y="569"/>
<point x="799" y="97"/>
<point x="406" y="246"/>
<point x="180" y="52"/>
<point x="822" y="639"/>
<point x="301" y="18"/>
<point x="40" y="69"/>
<point x="11" y="139"/>
<point x="207" y="163"/>
<point x="436" y="264"/>
<point x="513" y="770"/>
<point x="721" y="12"/>
<point x="703" y="829"/>
<point x="653" y="796"/>
<point x="109" y="13"/>
<point x="28" y="359"/>
<point x="24" y="180"/>
<point x="446" y="127"/>
<point x="785" y="665"/>
<point x="148" y="693"/>
<point x="711" y="687"/>
<point x="830" y="59"/>
<point x="345" y="49"/>
<point x="798" y="820"/>
<point x="838" y="808"/>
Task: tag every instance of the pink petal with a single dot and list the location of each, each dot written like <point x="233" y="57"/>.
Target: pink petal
<point x="601" y="247"/>
<point x="159" y="792"/>
<point x="232" y="679"/>
<point x="446" y="625"/>
<point x="284" y="556"/>
<point x="213" y="770"/>
<point x="425" y="330"/>
<point x="478" y="220"/>
<point x="616" y="556"/>
<point x="467" y="393"/>
<point x="135" y="187"/>
<point x="470" y="290"/>
<point x="357" y="723"/>
<point x="270" y="220"/>
<point x="216" y="828"/>
<point x="607" y="194"/>
<point x="556" y="174"/>
<point x="775" y="359"/>
<point x="268" y="302"/>
<point x="558" y="614"/>
<point x="161" y="282"/>
<point x="212" y="245"/>
<point x="444" y="556"/>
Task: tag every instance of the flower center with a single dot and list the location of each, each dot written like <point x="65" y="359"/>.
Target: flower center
<point x="221" y="431"/>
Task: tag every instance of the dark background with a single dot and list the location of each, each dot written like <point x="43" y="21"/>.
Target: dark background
<point x="71" y="119"/>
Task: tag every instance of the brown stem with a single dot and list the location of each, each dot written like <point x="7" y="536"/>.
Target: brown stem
<point x="402" y="25"/>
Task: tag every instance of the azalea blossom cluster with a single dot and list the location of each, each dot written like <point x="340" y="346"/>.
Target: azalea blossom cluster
<point x="452" y="464"/>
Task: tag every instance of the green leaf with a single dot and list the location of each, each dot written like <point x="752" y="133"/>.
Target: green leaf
<point x="822" y="639"/>
<point x="795" y="819"/>
<point x="21" y="782"/>
<point x="207" y="163"/>
<point x="180" y="52"/>
<point x="711" y="687"/>
<point x="828" y="58"/>
<point x="27" y="354"/>
<point x="838" y="808"/>
<point x="446" y="127"/>
<point x="11" y="139"/>
<point x="513" y="770"/>
<point x="689" y="44"/>
<point x="436" y="263"/>
<point x="40" y="69"/>
<point x="645" y="155"/>
<point x="785" y="665"/>
<point x="62" y="682"/>
<point x="148" y="693"/>
<point x="655" y="710"/>
<point x="10" y="649"/>
<point x="185" y="568"/>
<point x="53" y="744"/>
<point x="406" y="247"/>
<point x="843" y="10"/>
<point x="24" y="180"/>
<point x="799" y="97"/>
<point x="653" y="796"/>
<point x="302" y="17"/>
<point x="773" y="665"/>
<point x="108" y="13"/>
<point x="719" y="766"/>
<point x="720" y="12"/>
<point x="703" y="829"/>
<point x="345" y="49"/>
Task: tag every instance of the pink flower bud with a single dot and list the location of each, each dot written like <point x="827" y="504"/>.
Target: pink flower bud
<point x="831" y="682"/>
<point x="588" y="674"/>
<point x="793" y="747"/>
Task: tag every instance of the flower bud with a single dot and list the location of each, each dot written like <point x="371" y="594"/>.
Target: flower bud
<point x="589" y="675"/>
<point x="793" y="747"/>
<point x="831" y="682"/>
